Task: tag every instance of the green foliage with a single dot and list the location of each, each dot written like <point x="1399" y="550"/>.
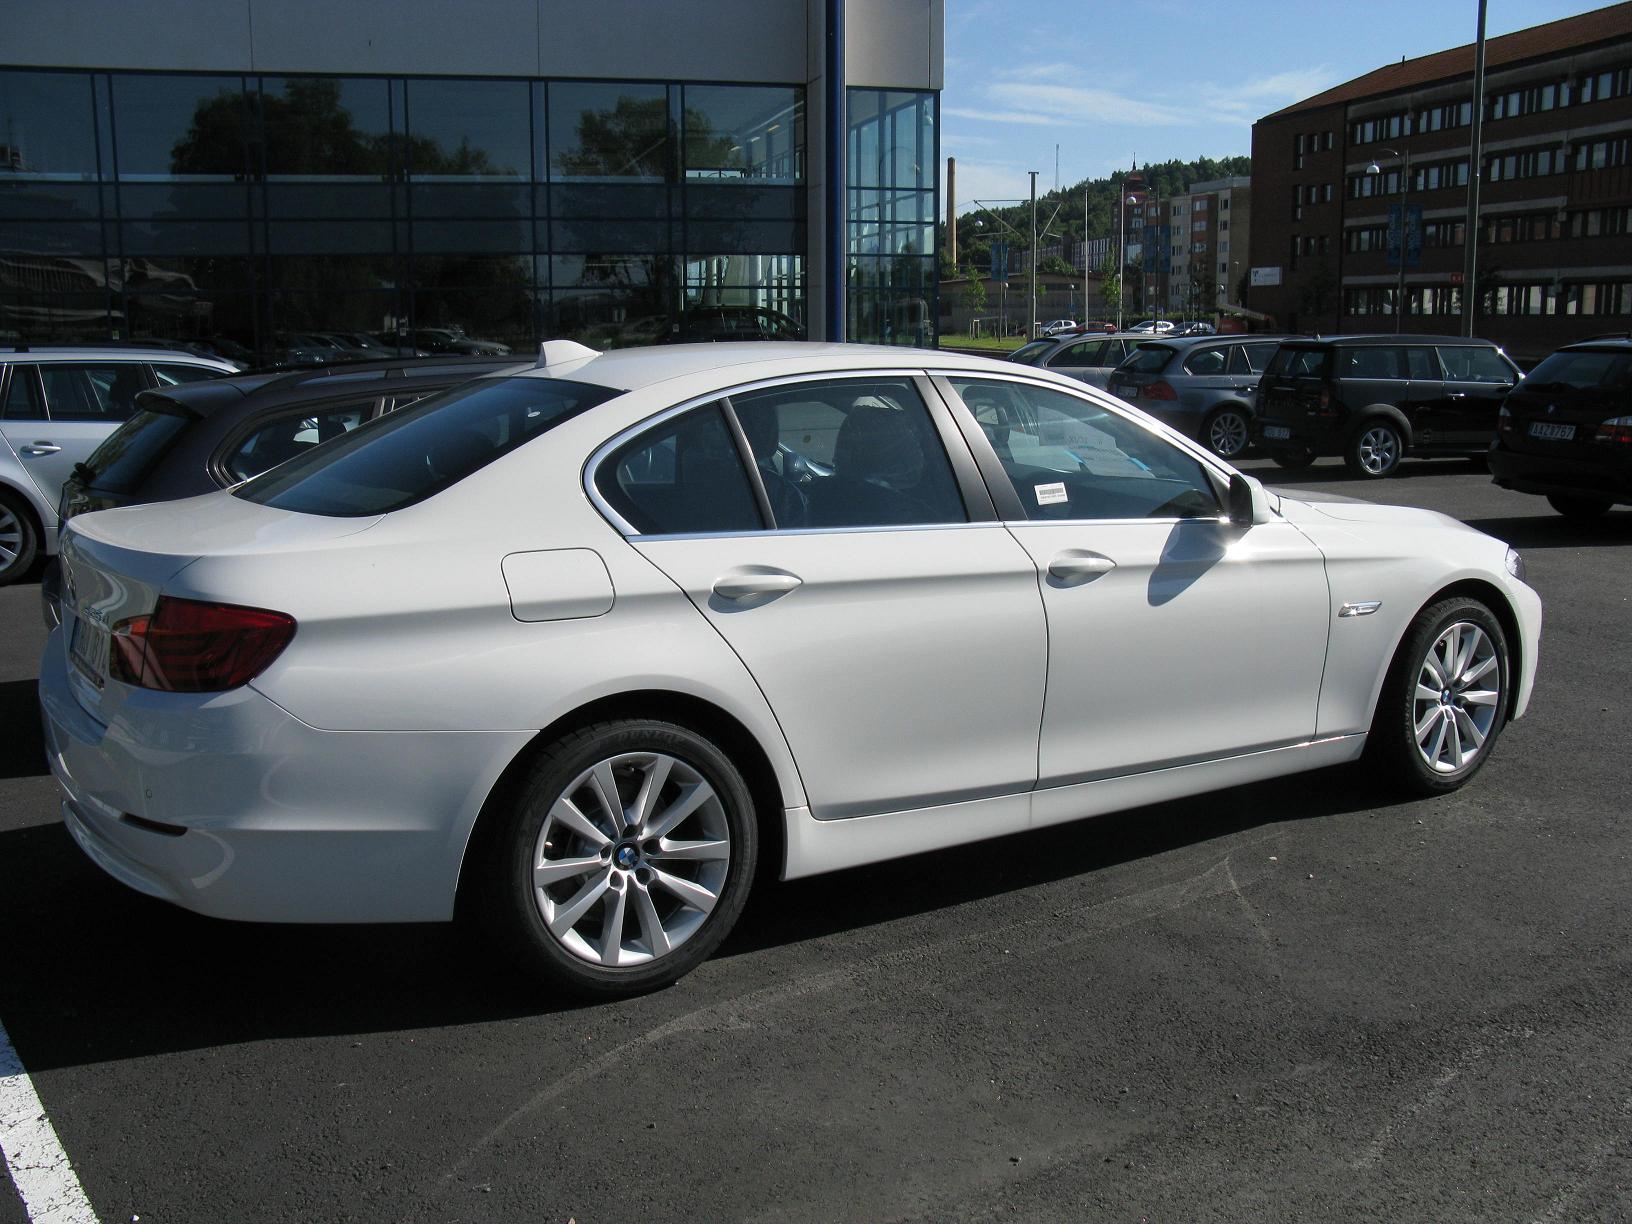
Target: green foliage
<point x="1055" y="265"/>
<point x="973" y="293"/>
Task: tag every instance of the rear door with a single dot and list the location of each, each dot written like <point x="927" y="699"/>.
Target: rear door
<point x="1477" y="379"/>
<point x="57" y="412"/>
<point x="1078" y="358"/>
<point x="893" y="625"/>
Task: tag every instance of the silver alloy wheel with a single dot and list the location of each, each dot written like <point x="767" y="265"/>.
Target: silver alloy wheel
<point x="1378" y="450"/>
<point x="1459" y="691"/>
<point x="1227" y="434"/>
<point x="631" y="859"/>
<point x="11" y="536"/>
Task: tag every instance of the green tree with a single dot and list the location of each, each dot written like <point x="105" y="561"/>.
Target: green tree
<point x="973" y="293"/>
<point x="1055" y="266"/>
<point x="1110" y="286"/>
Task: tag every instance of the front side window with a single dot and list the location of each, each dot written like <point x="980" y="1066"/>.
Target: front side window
<point x="91" y="392"/>
<point x="1474" y="364"/>
<point x="1071" y="458"/>
<point x="859" y="452"/>
<point x="1083" y="354"/>
<point x="416" y="452"/>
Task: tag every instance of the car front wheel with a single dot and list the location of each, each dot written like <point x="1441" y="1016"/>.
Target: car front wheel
<point x="1445" y="700"/>
<point x="1226" y="433"/>
<point x="1375" y="450"/>
<point x="625" y="860"/>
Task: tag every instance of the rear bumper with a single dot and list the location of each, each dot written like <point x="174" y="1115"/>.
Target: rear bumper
<point x="1563" y="477"/>
<point x="262" y="817"/>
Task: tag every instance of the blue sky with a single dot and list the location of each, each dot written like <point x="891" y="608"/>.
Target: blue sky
<point x="1159" y="79"/>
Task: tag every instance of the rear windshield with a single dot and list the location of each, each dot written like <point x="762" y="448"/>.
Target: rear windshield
<point x="130" y="452"/>
<point x="416" y="452"/>
<point x="1028" y="354"/>
<point x="1147" y="359"/>
<point x="1581" y="371"/>
<point x="1298" y="362"/>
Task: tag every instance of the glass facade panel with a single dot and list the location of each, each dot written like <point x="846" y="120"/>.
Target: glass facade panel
<point x="893" y="289"/>
<point x="47" y="126"/>
<point x="609" y="132"/>
<point x="259" y="216"/>
<point x="741" y="134"/>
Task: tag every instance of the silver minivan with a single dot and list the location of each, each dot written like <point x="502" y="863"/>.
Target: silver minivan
<point x="1088" y="357"/>
<point x="56" y="406"/>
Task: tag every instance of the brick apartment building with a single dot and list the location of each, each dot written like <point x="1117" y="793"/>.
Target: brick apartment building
<point x="1555" y="243"/>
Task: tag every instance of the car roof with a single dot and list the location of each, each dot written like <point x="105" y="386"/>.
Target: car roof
<point x="1389" y="338"/>
<point x="113" y="353"/>
<point x="1196" y="341"/>
<point x="380" y="377"/>
<point x="1619" y="343"/>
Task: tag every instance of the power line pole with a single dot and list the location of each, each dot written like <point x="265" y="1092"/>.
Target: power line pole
<point x="1470" y="231"/>
<point x="1031" y="319"/>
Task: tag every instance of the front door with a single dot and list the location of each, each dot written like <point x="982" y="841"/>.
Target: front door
<point x="1174" y="635"/>
<point x="1477" y="379"/>
<point x="901" y="645"/>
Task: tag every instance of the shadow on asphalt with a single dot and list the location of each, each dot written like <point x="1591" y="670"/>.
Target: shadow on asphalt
<point x="96" y="972"/>
<point x="1556" y="531"/>
<point x="22" y="747"/>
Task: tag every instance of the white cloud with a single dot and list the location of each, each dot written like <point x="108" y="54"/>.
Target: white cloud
<point x="1069" y="103"/>
<point x="963" y="112"/>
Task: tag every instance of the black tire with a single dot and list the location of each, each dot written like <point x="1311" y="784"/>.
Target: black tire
<point x="1293" y="460"/>
<point x="1580" y="509"/>
<point x="1392" y="747"/>
<point x="1227" y="432"/>
<point x="513" y="906"/>
<point x="19" y="537"/>
<point x="1375" y="449"/>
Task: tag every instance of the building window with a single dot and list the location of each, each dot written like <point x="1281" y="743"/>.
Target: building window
<point x="1602" y="154"/>
<point x="894" y="193"/>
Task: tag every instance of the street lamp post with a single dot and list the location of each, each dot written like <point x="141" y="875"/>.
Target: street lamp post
<point x="1405" y="229"/>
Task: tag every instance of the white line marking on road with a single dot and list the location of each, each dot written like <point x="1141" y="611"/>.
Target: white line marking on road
<point x="50" y="1190"/>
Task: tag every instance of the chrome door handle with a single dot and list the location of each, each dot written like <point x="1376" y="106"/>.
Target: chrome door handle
<point x="40" y="448"/>
<point x="1079" y="566"/>
<point x="1457" y="395"/>
<point x="741" y="587"/>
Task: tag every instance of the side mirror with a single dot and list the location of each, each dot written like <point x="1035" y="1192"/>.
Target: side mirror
<point x="1241" y="513"/>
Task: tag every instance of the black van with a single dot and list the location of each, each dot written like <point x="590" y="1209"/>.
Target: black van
<point x="1376" y="399"/>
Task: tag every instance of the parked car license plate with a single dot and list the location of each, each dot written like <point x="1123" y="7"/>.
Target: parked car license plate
<point x="89" y="649"/>
<point x="1277" y="431"/>
<point x="1552" y="430"/>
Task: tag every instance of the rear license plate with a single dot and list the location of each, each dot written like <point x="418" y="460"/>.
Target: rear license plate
<point x="89" y="649"/>
<point x="1552" y="431"/>
<point x="1277" y="431"/>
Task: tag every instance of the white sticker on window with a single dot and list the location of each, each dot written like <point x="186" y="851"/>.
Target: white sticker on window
<point x="1049" y="494"/>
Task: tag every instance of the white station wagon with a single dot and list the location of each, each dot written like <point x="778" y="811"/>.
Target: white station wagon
<point x="576" y="646"/>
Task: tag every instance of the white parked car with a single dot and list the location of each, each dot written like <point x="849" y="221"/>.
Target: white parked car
<point x="1057" y="326"/>
<point x="1158" y="327"/>
<point x="577" y="646"/>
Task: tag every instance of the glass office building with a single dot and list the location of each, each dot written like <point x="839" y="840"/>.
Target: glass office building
<point x="264" y="214"/>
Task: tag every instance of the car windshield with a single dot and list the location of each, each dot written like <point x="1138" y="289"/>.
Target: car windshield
<point x="1030" y="354"/>
<point x="418" y="451"/>
<point x="1147" y="359"/>
<point x="1298" y="362"/>
<point x="130" y="452"/>
<point x="1582" y="370"/>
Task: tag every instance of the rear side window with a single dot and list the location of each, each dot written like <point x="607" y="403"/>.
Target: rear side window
<point x="1299" y="362"/>
<point x="1031" y="354"/>
<point x="1370" y="363"/>
<point x="1475" y="364"/>
<point x="130" y="452"/>
<point x="1206" y="361"/>
<point x="686" y="475"/>
<point x="91" y="392"/>
<point x="1147" y="359"/>
<point x="172" y="375"/>
<point x="416" y="452"/>
<point x="23" y="402"/>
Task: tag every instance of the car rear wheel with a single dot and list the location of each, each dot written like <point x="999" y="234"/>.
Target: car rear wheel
<point x="1375" y="450"/>
<point x="1445" y="700"/>
<point x="19" y="539"/>
<point x="1294" y="459"/>
<point x="625" y="860"/>
<point x="1225" y="432"/>
<point x="1581" y="509"/>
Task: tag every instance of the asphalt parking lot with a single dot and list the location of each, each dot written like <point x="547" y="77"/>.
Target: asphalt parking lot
<point x="1293" y="1000"/>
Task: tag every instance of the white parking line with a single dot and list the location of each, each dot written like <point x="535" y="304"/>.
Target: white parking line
<point x="50" y="1190"/>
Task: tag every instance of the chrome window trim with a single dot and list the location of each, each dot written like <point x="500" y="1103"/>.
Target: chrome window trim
<point x="627" y="530"/>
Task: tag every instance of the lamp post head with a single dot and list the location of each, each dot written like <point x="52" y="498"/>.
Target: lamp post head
<point x="1374" y="168"/>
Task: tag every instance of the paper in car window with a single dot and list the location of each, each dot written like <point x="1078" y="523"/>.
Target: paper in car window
<point x="1051" y="494"/>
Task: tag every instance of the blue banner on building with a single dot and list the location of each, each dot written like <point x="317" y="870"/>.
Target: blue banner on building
<point x="1000" y="261"/>
<point x="1412" y="235"/>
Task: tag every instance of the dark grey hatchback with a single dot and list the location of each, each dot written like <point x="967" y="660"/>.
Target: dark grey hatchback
<point x="1376" y="399"/>
<point x="1203" y="386"/>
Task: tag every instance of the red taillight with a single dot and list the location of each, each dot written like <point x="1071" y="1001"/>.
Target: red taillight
<point x="1616" y="429"/>
<point x="190" y="647"/>
<point x="1160" y="390"/>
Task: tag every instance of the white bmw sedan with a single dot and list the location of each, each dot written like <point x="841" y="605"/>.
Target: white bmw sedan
<point x="577" y="646"/>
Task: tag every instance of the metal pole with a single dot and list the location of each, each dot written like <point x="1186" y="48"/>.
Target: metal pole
<point x="1470" y="232"/>
<point x="1405" y="236"/>
<point x="1031" y="319"/>
<point x="836" y="197"/>
<point x="1121" y="250"/>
